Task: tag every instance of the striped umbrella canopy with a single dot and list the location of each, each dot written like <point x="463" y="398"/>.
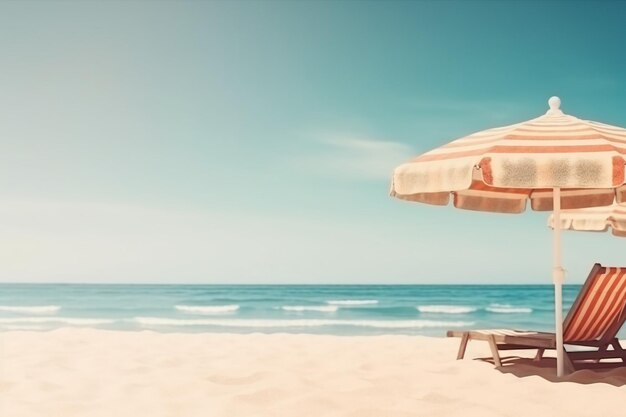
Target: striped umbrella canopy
<point x="500" y="169"/>
<point x="595" y="219"/>
<point x="553" y="161"/>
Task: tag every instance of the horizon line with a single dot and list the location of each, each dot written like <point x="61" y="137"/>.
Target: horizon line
<point x="282" y="284"/>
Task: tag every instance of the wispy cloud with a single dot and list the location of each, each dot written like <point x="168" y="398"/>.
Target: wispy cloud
<point x="358" y="156"/>
<point x="74" y="241"/>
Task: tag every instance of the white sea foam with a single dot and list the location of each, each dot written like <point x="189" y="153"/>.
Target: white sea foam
<point x="21" y="327"/>
<point x="322" y="309"/>
<point x="63" y="320"/>
<point x="507" y="309"/>
<point x="30" y="309"/>
<point x="387" y="324"/>
<point x="352" y="302"/>
<point x="208" y="309"/>
<point x="446" y="309"/>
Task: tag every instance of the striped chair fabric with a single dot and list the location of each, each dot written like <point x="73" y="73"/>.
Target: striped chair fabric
<point x="599" y="307"/>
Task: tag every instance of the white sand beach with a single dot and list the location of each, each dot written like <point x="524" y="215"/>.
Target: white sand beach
<point x="84" y="372"/>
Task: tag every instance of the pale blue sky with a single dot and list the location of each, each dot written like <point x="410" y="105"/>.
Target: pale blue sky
<point x="253" y="142"/>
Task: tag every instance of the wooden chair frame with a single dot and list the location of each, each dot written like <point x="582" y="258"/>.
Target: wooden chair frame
<point x="543" y="340"/>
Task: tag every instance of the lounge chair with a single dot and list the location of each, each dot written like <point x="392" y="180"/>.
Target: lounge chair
<point x="596" y="316"/>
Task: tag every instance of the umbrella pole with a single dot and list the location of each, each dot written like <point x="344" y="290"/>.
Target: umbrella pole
<point x="557" y="278"/>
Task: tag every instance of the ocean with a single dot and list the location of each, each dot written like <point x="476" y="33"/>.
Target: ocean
<point x="320" y="309"/>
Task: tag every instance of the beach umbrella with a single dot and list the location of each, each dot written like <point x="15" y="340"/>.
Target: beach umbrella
<point x="554" y="161"/>
<point x="595" y="219"/>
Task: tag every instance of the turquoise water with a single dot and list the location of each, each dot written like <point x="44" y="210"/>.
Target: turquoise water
<point x="323" y="309"/>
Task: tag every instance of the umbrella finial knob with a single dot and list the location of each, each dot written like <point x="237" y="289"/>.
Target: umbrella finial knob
<point x="555" y="103"/>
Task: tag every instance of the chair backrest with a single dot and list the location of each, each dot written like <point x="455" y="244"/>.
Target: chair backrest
<point x="598" y="312"/>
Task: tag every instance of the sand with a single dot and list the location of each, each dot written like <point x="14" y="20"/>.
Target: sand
<point x="76" y="372"/>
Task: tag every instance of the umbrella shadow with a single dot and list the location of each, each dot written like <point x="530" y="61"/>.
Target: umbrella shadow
<point x="612" y="373"/>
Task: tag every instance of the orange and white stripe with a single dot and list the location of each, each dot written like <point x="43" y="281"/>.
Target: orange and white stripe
<point x="594" y="219"/>
<point x="500" y="169"/>
<point x="601" y="306"/>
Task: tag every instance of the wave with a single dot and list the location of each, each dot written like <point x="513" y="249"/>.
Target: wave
<point x="207" y="309"/>
<point x="30" y="309"/>
<point x="507" y="309"/>
<point x="352" y="302"/>
<point x="322" y="309"/>
<point x="64" y="320"/>
<point x="445" y="309"/>
<point x="21" y="327"/>
<point x="252" y="323"/>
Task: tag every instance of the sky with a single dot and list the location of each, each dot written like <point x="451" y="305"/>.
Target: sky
<point x="254" y="141"/>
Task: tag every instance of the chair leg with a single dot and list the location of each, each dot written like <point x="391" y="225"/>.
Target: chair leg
<point x="494" y="351"/>
<point x="569" y="365"/>
<point x="618" y="347"/>
<point x="539" y="354"/>
<point x="463" y="345"/>
<point x="603" y="348"/>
